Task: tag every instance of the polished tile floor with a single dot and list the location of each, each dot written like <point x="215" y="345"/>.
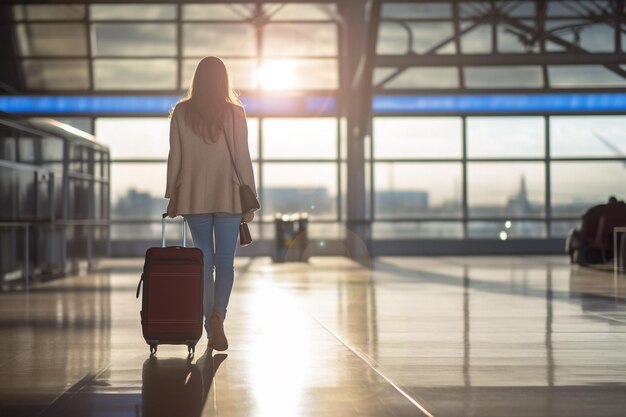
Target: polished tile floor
<point x="478" y="336"/>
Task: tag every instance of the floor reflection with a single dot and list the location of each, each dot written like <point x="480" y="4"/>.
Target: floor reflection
<point x="52" y="336"/>
<point x="550" y="364"/>
<point x="465" y="333"/>
<point x="169" y="387"/>
<point x="176" y="386"/>
<point x="602" y="295"/>
<point x="483" y="336"/>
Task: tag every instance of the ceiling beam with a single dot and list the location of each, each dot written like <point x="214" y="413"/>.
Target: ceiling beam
<point x="10" y="79"/>
<point x="432" y="60"/>
<point x="569" y="46"/>
<point x="56" y="2"/>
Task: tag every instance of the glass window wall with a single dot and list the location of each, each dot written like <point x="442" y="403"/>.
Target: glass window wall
<point x="506" y="189"/>
<point x="138" y="171"/>
<point x="505" y="137"/>
<point x="417" y="230"/>
<point x="519" y="176"/>
<point x="504" y="185"/>
<point x="66" y="74"/>
<point x="431" y="177"/>
<point x="300" y="187"/>
<point x="132" y="12"/>
<point x="282" y="40"/>
<point x="220" y="12"/>
<point x="220" y="39"/>
<point x="417" y="137"/>
<point x="416" y="11"/>
<point x="312" y="11"/>
<point x="300" y="138"/>
<point x="578" y="185"/>
<point x="588" y="137"/>
<point x="503" y="77"/>
<point x="137" y="190"/>
<point x="134" y="74"/>
<point x="134" y="39"/>
<point x="583" y="76"/>
<point x="52" y="39"/>
<point x="36" y="12"/>
<point x="427" y="78"/>
<point x="410" y="190"/>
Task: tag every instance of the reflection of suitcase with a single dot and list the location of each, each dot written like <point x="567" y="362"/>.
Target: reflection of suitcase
<point x="172" y="301"/>
<point x="176" y="386"/>
<point x="171" y="387"/>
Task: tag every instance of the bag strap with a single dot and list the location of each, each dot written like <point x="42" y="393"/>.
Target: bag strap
<point x="228" y="146"/>
<point x="139" y="286"/>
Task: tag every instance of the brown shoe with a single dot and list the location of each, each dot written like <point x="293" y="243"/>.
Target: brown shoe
<point x="218" y="340"/>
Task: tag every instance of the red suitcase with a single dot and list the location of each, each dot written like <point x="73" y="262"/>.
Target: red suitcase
<point x="172" y="301"/>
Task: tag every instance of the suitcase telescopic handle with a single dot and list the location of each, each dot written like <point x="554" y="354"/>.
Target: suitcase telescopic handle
<point x="163" y="217"/>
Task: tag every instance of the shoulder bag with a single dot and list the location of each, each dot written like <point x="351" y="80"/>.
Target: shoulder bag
<point x="245" y="238"/>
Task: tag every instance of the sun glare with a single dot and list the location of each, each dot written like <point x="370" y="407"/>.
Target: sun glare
<point x="277" y="75"/>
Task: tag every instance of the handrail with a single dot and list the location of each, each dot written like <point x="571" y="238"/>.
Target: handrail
<point x="618" y="265"/>
<point x="65" y="223"/>
<point x="16" y="224"/>
<point x="80" y="222"/>
<point x="84" y="222"/>
<point x="26" y="226"/>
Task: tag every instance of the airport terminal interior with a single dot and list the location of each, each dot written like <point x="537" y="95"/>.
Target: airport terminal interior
<point x="442" y="228"/>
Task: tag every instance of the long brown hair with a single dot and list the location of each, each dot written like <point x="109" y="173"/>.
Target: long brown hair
<point x="208" y="99"/>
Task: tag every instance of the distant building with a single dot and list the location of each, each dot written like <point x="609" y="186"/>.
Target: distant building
<point x="313" y="200"/>
<point x="519" y="205"/>
<point x="136" y="204"/>
<point x="406" y="203"/>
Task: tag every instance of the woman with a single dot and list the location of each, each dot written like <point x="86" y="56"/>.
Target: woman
<point x="202" y="184"/>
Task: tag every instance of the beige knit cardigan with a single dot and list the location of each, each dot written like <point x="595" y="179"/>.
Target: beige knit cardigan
<point x="200" y="175"/>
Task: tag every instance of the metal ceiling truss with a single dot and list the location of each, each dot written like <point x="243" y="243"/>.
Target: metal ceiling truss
<point x="10" y="75"/>
<point x="474" y="14"/>
<point x="87" y="2"/>
<point x="258" y="16"/>
<point x="590" y="12"/>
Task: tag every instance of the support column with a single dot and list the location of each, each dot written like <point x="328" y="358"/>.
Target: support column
<point x="10" y="77"/>
<point x="358" y="37"/>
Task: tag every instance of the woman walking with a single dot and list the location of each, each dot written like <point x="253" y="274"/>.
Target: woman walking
<point x="208" y="154"/>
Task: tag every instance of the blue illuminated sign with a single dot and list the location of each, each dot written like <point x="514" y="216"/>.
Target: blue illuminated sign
<point x="155" y="105"/>
<point x="87" y="104"/>
<point x="322" y="105"/>
<point x="502" y="103"/>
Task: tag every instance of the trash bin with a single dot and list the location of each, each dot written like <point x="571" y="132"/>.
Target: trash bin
<point x="291" y="237"/>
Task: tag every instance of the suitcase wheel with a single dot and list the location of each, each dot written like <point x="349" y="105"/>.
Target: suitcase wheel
<point x="153" y="349"/>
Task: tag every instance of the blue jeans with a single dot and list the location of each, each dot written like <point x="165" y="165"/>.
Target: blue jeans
<point x="220" y="256"/>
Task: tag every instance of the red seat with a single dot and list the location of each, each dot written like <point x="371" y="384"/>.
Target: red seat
<point x="604" y="236"/>
<point x="593" y="243"/>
